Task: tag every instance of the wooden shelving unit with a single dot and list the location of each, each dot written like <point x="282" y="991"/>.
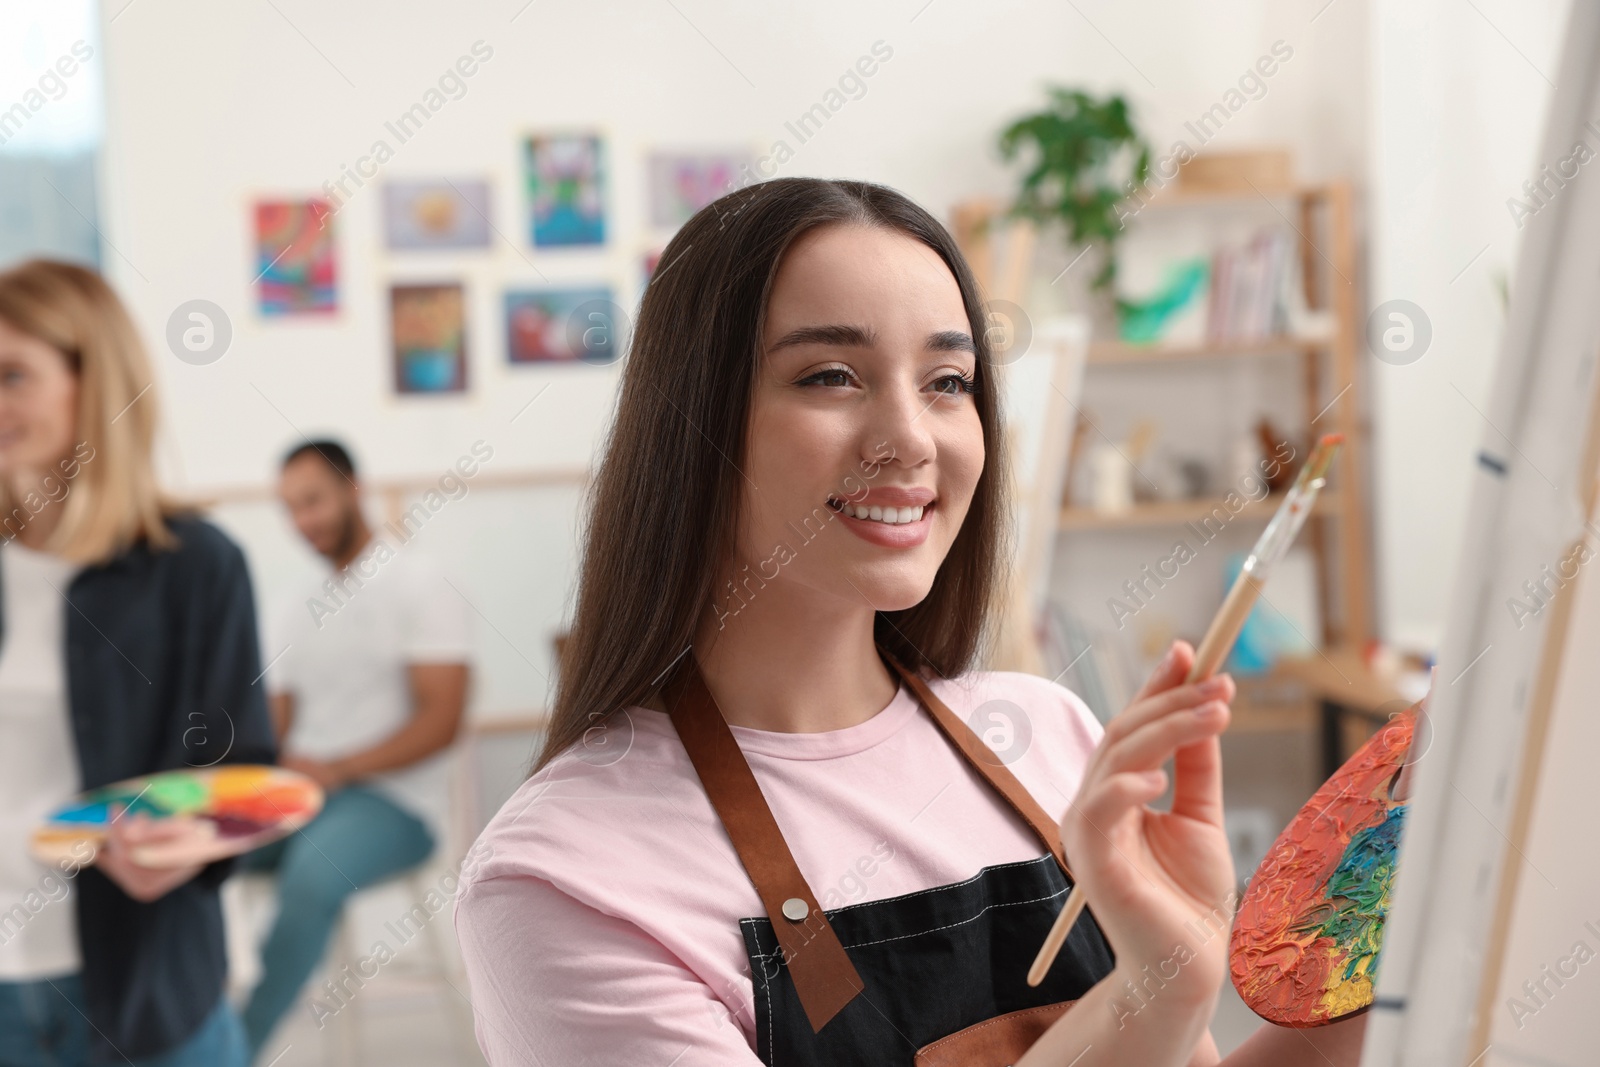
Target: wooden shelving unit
<point x="1179" y="512"/>
<point x="1338" y="532"/>
<point x="1333" y="686"/>
<point x="1333" y="690"/>
<point x="1118" y="353"/>
<point x="1177" y="196"/>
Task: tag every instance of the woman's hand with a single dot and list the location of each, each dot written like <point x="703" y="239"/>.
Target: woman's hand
<point x="115" y="857"/>
<point x="1160" y="884"/>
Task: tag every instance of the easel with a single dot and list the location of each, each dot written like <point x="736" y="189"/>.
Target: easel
<point x="1474" y="808"/>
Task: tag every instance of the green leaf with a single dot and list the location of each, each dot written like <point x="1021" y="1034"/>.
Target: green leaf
<point x="1079" y="155"/>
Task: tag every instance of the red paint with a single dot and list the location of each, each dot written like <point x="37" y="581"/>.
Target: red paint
<point x="1281" y="973"/>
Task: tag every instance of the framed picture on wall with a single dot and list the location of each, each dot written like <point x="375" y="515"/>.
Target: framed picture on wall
<point x="561" y="326"/>
<point x="427" y="325"/>
<point x="682" y="183"/>
<point x="566" y="180"/>
<point x="295" y="267"/>
<point x="436" y="214"/>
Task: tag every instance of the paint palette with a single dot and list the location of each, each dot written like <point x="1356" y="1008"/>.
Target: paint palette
<point x="1309" y="932"/>
<point x="224" y="811"/>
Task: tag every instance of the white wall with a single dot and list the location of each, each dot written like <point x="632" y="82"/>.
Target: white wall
<point x="213" y="105"/>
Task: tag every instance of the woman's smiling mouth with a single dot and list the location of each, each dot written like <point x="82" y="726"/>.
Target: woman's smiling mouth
<point x="888" y="516"/>
<point x="893" y="518"/>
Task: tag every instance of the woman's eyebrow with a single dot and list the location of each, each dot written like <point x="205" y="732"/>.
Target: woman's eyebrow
<point x="839" y="334"/>
<point x="951" y="341"/>
<point x="860" y="337"/>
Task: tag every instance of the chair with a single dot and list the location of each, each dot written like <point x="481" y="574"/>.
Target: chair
<point x="426" y="957"/>
<point x="423" y="953"/>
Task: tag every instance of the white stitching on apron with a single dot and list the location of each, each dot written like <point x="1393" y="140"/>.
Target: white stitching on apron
<point x="963" y="922"/>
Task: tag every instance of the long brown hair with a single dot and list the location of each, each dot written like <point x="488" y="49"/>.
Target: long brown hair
<point x="113" y="500"/>
<point x="663" y="508"/>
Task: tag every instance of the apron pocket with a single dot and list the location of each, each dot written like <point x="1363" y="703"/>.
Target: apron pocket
<point x="997" y="1042"/>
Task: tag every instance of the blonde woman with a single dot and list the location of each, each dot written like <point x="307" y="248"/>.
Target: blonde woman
<point x="127" y="646"/>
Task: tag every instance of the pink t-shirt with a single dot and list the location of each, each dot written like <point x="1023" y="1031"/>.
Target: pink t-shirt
<point x="599" y="911"/>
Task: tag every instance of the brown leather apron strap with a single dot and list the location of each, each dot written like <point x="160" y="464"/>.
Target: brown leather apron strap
<point x="986" y="763"/>
<point x="823" y="975"/>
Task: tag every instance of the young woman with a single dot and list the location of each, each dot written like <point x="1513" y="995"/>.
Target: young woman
<point x="763" y="829"/>
<point x="127" y="646"/>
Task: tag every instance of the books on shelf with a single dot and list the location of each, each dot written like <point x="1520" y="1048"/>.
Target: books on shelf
<point x="1256" y="291"/>
<point x="1245" y="294"/>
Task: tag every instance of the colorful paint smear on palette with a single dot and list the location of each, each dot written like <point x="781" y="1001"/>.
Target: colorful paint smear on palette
<point x="239" y="801"/>
<point x="1309" y="933"/>
<point x="295" y="268"/>
<point x="566" y="190"/>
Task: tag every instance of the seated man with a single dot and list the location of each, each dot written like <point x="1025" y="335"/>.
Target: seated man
<point x="367" y="692"/>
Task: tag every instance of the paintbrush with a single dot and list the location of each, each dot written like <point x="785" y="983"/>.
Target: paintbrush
<point x="1223" y="632"/>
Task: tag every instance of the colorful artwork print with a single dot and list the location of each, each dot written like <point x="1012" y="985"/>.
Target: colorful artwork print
<point x="230" y="810"/>
<point x="295" y="270"/>
<point x="566" y="190"/>
<point x="427" y="323"/>
<point x="441" y="214"/>
<point x="681" y="184"/>
<point x="560" y="325"/>
<point x="1309" y="932"/>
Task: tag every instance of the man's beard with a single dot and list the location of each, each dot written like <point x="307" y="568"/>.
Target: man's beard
<point x="347" y="536"/>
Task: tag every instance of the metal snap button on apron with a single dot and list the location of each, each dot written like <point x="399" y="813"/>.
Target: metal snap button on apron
<point x="796" y="909"/>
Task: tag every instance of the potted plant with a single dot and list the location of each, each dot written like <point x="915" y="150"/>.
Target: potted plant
<point x="1084" y="157"/>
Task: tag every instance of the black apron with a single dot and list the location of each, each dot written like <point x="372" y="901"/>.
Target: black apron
<point x="932" y="977"/>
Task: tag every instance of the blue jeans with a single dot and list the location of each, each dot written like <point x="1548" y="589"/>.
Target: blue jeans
<point x="359" y="839"/>
<point x="42" y="1025"/>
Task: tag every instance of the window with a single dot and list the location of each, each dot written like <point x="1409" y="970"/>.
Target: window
<point x="51" y="123"/>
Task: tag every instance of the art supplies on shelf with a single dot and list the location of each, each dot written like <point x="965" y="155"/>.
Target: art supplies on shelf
<point x="1256" y="290"/>
<point x="1241" y="294"/>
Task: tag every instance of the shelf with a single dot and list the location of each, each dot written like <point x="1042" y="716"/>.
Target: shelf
<point x="1251" y="717"/>
<point x="1341" y="675"/>
<point x="1174" y="195"/>
<point x="1287" y="696"/>
<point x="1178" y="512"/>
<point x="1121" y="353"/>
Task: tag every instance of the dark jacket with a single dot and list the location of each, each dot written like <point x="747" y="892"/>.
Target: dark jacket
<point x="163" y="667"/>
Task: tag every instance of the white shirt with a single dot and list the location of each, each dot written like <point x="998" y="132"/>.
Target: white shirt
<point x="343" y="650"/>
<point x="38" y="764"/>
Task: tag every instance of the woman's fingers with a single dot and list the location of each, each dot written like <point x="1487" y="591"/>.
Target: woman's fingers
<point x="158" y="831"/>
<point x="1169" y="672"/>
<point x="1152" y="744"/>
<point x="1142" y="712"/>
<point x="1111" y="798"/>
<point x="1197" y="785"/>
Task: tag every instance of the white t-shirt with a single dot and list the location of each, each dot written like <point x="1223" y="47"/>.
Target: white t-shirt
<point x="598" y="912"/>
<point x="38" y="764"/>
<point x="342" y="650"/>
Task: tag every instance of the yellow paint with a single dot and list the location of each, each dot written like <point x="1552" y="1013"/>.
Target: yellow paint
<point x="227" y="782"/>
<point x="1341" y="996"/>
